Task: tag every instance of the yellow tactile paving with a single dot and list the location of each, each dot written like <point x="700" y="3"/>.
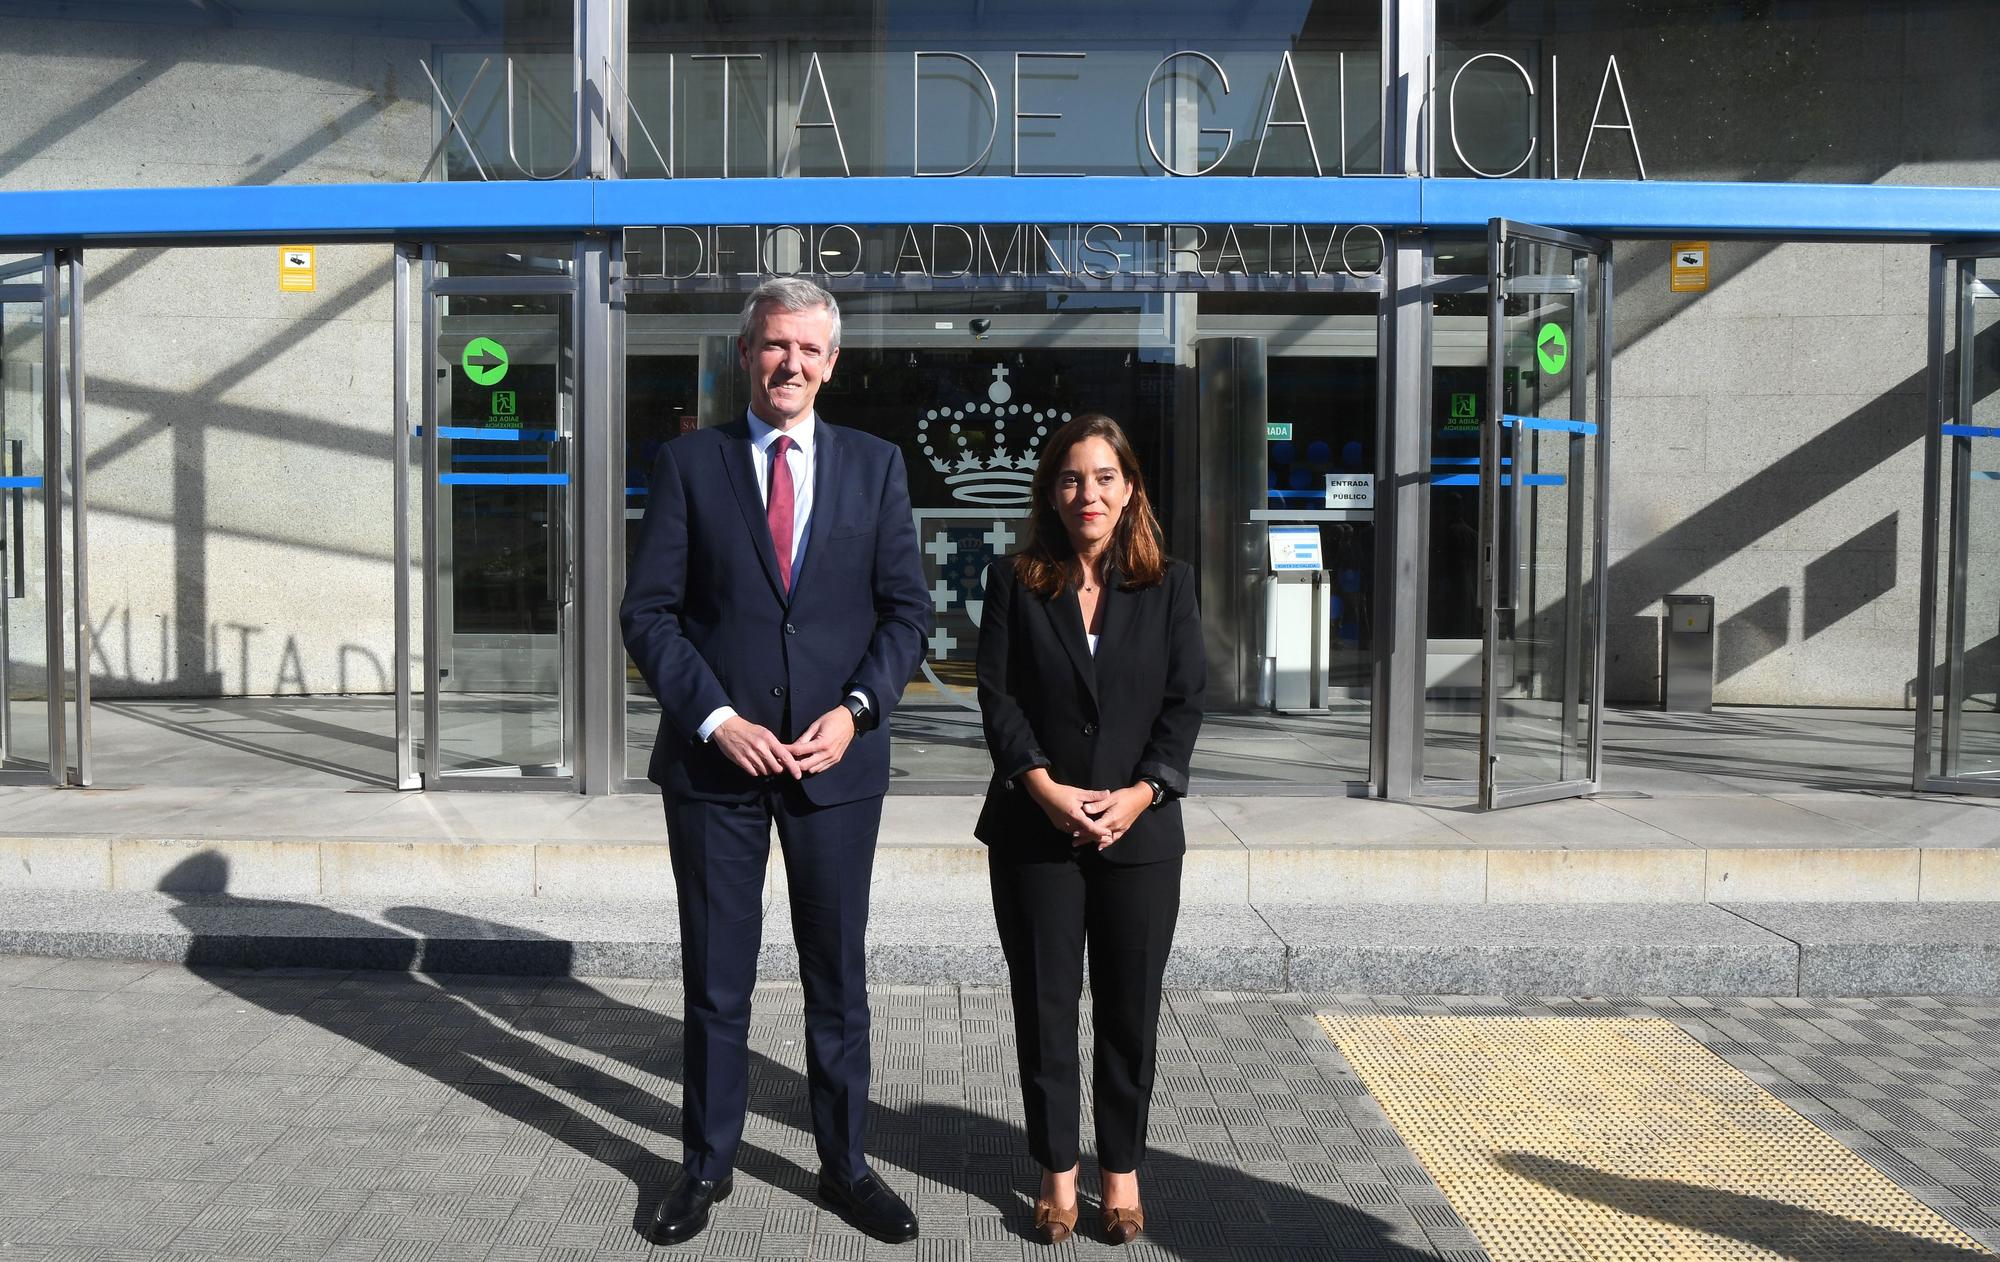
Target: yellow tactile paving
<point x="1567" y="1138"/>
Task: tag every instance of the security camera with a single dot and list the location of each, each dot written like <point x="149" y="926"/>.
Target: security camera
<point x="980" y="327"/>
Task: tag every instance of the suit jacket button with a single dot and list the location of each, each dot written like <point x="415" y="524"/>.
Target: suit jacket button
<point x="790" y="629"/>
<point x="1090" y="729"/>
<point x="778" y="692"/>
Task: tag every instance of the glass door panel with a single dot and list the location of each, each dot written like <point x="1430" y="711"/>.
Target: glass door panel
<point x="1958" y="712"/>
<point x="28" y="738"/>
<point x="499" y="568"/>
<point x="1543" y="463"/>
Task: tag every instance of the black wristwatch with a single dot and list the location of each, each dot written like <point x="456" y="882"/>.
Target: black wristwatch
<point x="1159" y="790"/>
<point x="858" y="710"/>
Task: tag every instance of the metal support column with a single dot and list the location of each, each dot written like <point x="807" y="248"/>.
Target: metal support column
<point x="79" y="531"/>
<point x="407" y="774"/>
<point x="598" y="471"/>
<point x="1403" y="511"/>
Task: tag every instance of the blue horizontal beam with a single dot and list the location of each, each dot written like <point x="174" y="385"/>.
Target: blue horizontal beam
<point x="309" y="212"/>
<point x="301" y="211"/>
<point x="1694" y="208"/>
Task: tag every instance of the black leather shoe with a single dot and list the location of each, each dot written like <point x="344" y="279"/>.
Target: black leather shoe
<point x="684" y="1211"/>
<point x="869" y="1205"/>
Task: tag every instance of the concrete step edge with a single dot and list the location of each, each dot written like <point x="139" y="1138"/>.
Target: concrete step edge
<point x="1290" y="873"/>
<point x="1751" y="949"/>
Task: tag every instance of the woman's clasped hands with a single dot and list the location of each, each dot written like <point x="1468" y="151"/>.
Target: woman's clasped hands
<point x="1093" y="817"/>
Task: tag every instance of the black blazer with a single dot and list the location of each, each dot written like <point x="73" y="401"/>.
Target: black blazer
<point x="708" y="624"/>
<point x="1098" y="722"/>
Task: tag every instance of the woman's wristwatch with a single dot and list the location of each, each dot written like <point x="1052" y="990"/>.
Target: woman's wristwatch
<point x="1159" y="790"/>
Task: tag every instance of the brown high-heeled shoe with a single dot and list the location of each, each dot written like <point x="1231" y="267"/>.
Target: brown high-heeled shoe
<point x="1122" y="1224"/>
<point x="1054" y="1223"/>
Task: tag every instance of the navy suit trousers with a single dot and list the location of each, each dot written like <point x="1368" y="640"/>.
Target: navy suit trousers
<point x="720" y="851"/>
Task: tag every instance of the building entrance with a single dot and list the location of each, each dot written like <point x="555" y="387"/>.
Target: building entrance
<point x="969" y="386"/>
<point x="1544" y="460"/>
<point x="493" y="556"/>
<point x="44" y="680"/>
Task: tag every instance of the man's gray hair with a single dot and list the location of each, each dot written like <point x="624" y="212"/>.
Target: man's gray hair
<point x="793" y="293"/>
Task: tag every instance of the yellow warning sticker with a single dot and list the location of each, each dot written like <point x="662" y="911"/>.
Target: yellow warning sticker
<point x="1689" y="274"/>
<point x="296" y="273"/>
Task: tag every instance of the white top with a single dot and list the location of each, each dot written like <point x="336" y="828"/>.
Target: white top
<point x="1093" y="643"/>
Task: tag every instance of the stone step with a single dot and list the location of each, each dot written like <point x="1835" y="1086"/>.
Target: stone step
<point x="1217" y="872"/>
<point x="1569" y="949"/>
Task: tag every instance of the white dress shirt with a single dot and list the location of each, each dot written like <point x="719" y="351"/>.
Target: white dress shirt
<point x="799" y="460"/>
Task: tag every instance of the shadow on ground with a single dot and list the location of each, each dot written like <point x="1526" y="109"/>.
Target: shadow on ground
<point x="1786" y="1231"/>
<point x="481" y="1047"/>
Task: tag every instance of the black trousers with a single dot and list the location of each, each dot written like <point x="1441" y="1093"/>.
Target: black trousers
<point x="1048" y="913"/>
<point x="720" y="851"/>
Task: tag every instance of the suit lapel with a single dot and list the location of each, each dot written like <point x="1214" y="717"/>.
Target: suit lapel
<point x="737" y="455"/>
<point x="827" y="498"/>
<point x="1067" y="616"/>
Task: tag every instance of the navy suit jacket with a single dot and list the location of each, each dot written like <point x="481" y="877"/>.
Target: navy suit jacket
<point x="708" y="624"/>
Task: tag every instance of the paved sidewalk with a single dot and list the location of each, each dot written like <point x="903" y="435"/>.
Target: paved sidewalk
<point x="154" y="1112"/>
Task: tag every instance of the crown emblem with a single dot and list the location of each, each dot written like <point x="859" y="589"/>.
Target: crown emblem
<point x="996" y="476"/>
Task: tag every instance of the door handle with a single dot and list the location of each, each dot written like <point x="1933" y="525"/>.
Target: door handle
<point x="16" y="450"/>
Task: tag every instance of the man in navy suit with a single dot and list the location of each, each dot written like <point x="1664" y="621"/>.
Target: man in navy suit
<point x="777" y="606"/>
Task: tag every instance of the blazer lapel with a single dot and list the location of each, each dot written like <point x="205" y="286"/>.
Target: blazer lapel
<point x="828" y="497"/>
<point x="1067" y="616"/>
<point x="741" y="474"/>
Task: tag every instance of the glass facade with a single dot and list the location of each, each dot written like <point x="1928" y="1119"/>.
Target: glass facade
<point x="111" y="94"/>
<point x="1834" y="91"/>
<point x="968" y="383"/>
<point x="1290" y="372"/>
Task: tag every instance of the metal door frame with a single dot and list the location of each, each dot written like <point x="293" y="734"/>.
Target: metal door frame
<point x="63" y="472"/>
<point x="428" y="772"/>
<point x="1495" y="557"/>
<point x="1950" y="388"/>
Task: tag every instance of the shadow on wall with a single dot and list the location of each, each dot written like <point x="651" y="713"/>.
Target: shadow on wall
<point x="1753" y="633"/>
<point x="523" y="1046"/>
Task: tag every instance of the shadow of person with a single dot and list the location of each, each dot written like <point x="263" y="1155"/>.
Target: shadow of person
<point x="1789" y="1231"/>
<point x="485" y="1040"/>
<point x="470" y="1043"/>
<point x="1196" y="1208"/>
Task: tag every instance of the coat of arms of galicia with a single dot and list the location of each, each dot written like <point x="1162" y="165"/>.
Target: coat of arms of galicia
<point x="986" y="453"/>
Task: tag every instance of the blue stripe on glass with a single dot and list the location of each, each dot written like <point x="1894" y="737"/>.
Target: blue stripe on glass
<point x="1472" y="479"/>
<point x="1471" y="460"/>
<point x="1987" y="475"/>
<point x="1543" y="422"/>
<point x="21" y="483"/>
<point x="496" y="435"/>
<point x="501" y="459"/>
<point x="504" y="479"/>
<point x="1972" y="431"/>
<point x="632" y="491"/>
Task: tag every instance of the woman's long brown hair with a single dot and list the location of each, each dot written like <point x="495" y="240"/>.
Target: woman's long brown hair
<point x="1047" y="562"/>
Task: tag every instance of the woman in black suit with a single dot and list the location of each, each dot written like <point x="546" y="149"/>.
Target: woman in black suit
<point x="1090" y="680"/>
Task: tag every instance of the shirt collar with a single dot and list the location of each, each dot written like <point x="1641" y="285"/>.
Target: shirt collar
<point x="762" y="435"/>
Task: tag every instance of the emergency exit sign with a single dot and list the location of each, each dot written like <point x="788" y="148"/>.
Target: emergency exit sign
<point x="1278" y="431"/>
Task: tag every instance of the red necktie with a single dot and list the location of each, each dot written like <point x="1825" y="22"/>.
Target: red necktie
<point x="778" y="508"/>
